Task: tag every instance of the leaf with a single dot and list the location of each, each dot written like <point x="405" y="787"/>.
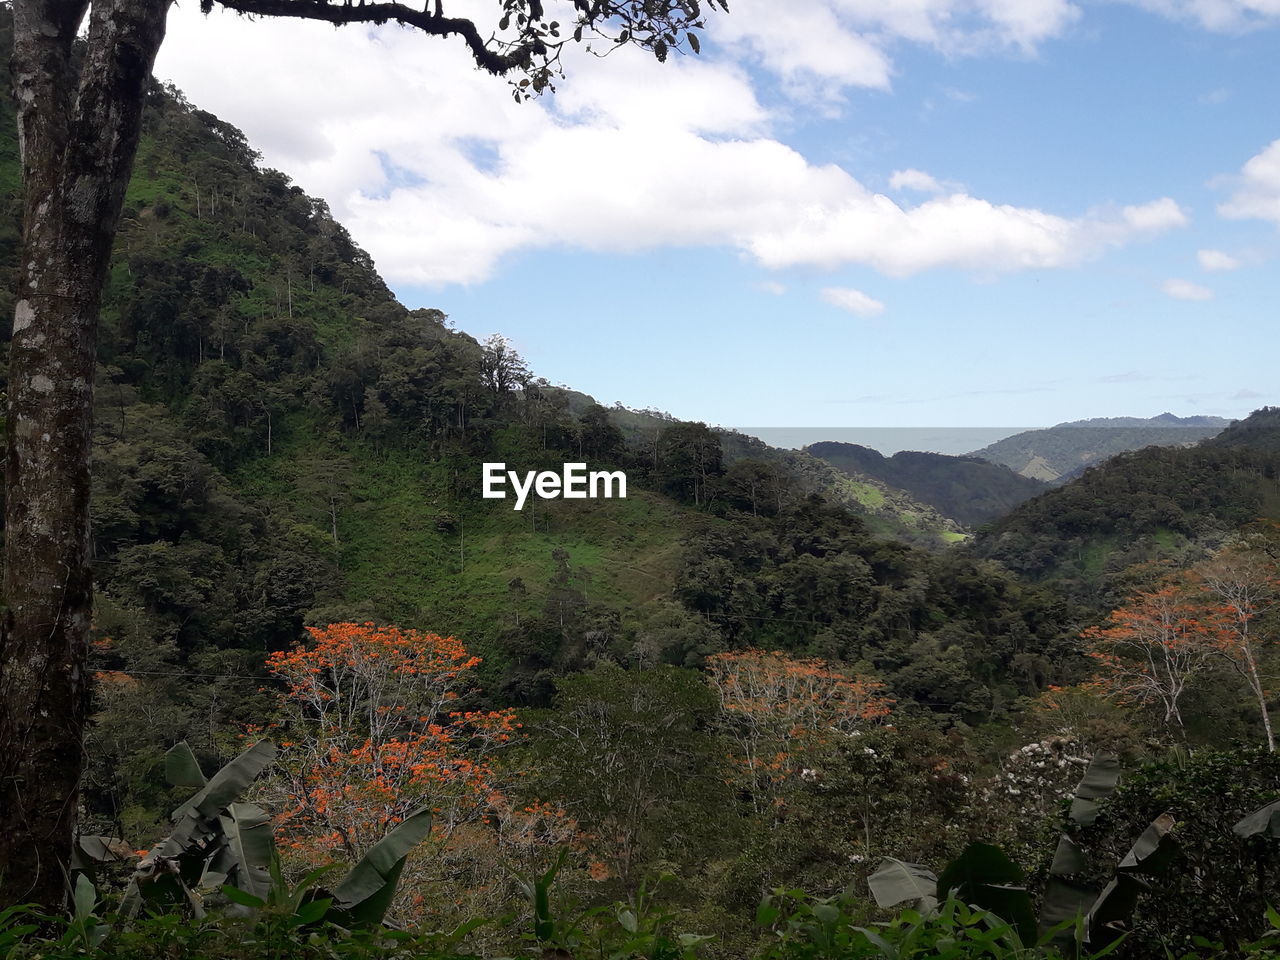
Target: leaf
<point x="1265" y="819"/>
<point x="84" y="898"/>
<point x="229" y="782"/>
<point x="365" y="893"/>
<point x="90" y="850"/>
<point x="314" y="911"/>
<point x="895" y="882"/>
<point x="1112" y="910"/>
<point x="236" y="895"/>
<point x="1064" y="902"/>
<point x="1099" y="782"/>
<point x="1154" y="850"/>
<point x="1068" y="858"/>
<point x="984" y="877"/>
<point x="694" y="43"/>
<point x="252" y="841"/>
<point x="181" y="767"/>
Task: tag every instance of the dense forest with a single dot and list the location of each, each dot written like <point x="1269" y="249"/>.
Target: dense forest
<point x="705" y="714"/>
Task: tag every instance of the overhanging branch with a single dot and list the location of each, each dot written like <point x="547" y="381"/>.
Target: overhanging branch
<point x="429" y="22"/>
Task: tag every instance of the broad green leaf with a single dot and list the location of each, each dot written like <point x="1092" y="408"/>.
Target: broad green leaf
<point x="84" y="898"/>
<point x="251" y="839"/>
<point x="895" y="882"/>
<point x="1063" y="902"/>
<point x="363" y="896"/>
<point x="90" y="850"/>
<point x="1099" y="782"/>
<point x="236" y="895"/>
<point x="313" y="911"/>
<point x="229" y="782"/>
<point x="1265" y="819"/>
<point x="1154" y="850"/>
<point x="984" y="877"/>
<point x="1112" y="910"/>
<point x="1068" y="858"/>
<point x="181" y="767"/>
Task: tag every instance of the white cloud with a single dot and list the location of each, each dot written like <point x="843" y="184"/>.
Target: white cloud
<point x="823" y="46"/>
<point x="853" y="301"/>
<point x="1215" y="261"/>
<point x="629" y="155"/>
<point x="1221" y="16"/>
<point x="845" y="223"/>
<point x="1256" y="194"/>
<point x="1186" y="290"/>
<point x="916" y="180"/>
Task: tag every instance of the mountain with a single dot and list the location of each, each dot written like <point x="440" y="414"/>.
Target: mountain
<point x="889" y="510"/>
<point x="1160" y="505"/>
<point x="1259" y="431"/>
<point x="1058" y="453"/>
<point x="279" y="442"/>
<point x="968" y="489"/>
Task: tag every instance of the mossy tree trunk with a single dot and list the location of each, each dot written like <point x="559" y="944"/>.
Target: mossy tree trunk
<point x="79" y="116"/>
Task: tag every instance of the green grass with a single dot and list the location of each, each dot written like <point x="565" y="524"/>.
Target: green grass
<point x="413" y="553"/>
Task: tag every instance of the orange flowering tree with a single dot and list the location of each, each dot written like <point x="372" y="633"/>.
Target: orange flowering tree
<point x="1155" y="645"/>
<point x="371" y="731"/>
<point x="777" y="708"/>
<point x="1244" y="585"/>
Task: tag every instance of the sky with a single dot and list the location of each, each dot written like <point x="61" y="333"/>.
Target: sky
<point x="842" y="213"/>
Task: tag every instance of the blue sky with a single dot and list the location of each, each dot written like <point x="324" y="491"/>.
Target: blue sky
<point x="924" y="213"/>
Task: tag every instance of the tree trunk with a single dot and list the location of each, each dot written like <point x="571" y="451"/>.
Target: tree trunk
<point x="78" y="137"/>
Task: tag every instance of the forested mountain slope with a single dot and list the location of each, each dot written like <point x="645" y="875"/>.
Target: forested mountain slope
<point x="1160" y="504"/>
<point x="968" y="489"/>
<point x="1061" y="452"/>
<point x="280" y="442"/>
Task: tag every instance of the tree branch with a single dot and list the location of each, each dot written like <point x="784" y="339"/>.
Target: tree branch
<point x="499" y="63"/>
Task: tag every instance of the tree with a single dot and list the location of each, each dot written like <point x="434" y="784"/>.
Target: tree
<point x="1156" y="645"/>
<point x="690" y="458"/>
<point x="776" y="708"/>
<point x="372" y="730"/>
<point x="629" y="753"/>
<point x="503" y="369"/>
<point x="79" y="119"/>
<point x="1244" y="584"/>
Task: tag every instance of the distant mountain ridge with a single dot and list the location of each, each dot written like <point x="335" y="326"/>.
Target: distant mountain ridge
<point x="1164" y="420"/>
<point x="1161" y="504"/>
<point x="1061" y="452"/>
<point x="968" y="489"/>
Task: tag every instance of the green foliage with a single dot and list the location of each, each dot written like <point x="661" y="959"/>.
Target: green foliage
<point x="365" y="893"/>
<point x="1230" y="879"/>
<point x="967" y="489"/>
<point x="946" y="632"/>
<point x="1152" y="506"/>
<point x="833" y="928"/>
<point x="215" y="840"/>
<point x="221" y="845"/>
<point x="631" y="756"/>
